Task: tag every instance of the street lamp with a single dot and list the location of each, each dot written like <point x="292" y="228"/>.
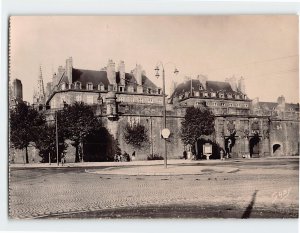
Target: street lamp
<point x="56" y="138"/>
<point x="164" y="104"/>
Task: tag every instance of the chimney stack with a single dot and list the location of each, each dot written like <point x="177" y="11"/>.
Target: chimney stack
<point x="111" y="72"/>
<point x="69" y="67"/>
<point x="121" y="69"/>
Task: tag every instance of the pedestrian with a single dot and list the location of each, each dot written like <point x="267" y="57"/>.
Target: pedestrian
<point x="184" y="155"/>
<point x="133" y="156"/>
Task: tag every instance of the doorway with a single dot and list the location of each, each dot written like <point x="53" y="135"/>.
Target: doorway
<point x="276" y="149"/>
<point x="199" y="149"/>
<point x="254" y="147"/>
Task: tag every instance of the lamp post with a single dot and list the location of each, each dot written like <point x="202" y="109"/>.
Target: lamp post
<point x="164" y="104"/>
<point x="56" y="132"/>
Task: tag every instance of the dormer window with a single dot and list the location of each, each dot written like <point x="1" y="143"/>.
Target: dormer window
<point x="101" y="87"/>
<point x="78" y="98"/>
<point x="77" y="85"/>
<point x="63" y="86"/>
<point x="197" y="93"/>
<point x="149" y="90"/>
<point x="237" y="96"/>
<point x="221" y="95"/>
<point x="89" y="86"/>
<point x="121" y="89"/>
<point x="213" y="94"/>
<point x="229" y="96"/>
<point x="159" y="91"/>
<point x="200" y="88"/>
<point x="205" y="94"/>
<point x="130" y="89"/>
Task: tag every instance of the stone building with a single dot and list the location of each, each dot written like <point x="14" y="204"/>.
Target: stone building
<point x="242" y="126"/>
<point x="39" y="98"/>
<point x="15" y="92"/>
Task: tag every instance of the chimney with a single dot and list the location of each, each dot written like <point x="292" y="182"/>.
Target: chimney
<point x="121" y="69"/>
<point x="241" y="85"/>
<point x="232" y="82"/>
<point x="203" y="80"/>
<point x="69" y="67"/>
<point x="111" y="72"/>
<point x="137" y="73"/>
<point x="281" y="103"/>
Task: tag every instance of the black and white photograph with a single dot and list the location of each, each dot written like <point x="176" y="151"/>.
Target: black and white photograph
<point x="153" y="117"/>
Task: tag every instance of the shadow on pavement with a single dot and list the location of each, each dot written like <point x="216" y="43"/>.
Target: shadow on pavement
<point x="249" y="208"/>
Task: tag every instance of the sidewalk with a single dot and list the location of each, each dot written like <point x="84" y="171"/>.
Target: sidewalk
<point x="113" y="164"/>
<point x="146" y="168"/>
<point x="144" y="162"/>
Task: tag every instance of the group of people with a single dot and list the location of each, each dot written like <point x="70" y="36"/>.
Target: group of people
<point x="125" y="157"/>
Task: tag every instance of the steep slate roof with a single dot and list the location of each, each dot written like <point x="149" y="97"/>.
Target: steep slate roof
<point x="267" y="105"/>
<point x="215" y="86"/>
<point x="273" y="105"/>
<point x="218" y="86"/>
<point x="89" y="76"/>
<point x="96" y="77"/>
<point x="293" y="106"/>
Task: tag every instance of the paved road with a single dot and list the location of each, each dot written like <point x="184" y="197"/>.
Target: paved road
<point x="261" y="188"/>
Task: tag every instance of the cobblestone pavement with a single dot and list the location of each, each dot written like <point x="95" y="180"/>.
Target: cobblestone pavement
<point x="42" y="192"/>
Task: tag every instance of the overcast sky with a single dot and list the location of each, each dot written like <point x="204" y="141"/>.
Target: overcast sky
<point x="262" y="49"/>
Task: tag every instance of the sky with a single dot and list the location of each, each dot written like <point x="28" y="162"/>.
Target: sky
<point x="262" y="49"/>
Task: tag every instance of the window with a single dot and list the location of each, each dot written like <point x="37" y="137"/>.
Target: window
<point x="89" y="99"/>
<point x="53" y="103"/>
<point x="230" y="105"/>
<point x="149" y="90"/>
<point x="237" y="96"/>
<point x="197" y="93"/>
<point x="140" y="100"/>
<point x="101" y="87"/>
<point x="159" y="91"/>
<point x="213" y="94"/>
<point x="150" y="100"/>
<point x="205" y="94"/>
<point x="78" y="98"/>
<point x="214" y="104"/>
<point x="121" y="89"/>
<point x="221" y="95"/>
<point x="130" y="89"/>
<point x="207" y="103"/>
<point x="229" y="96"/>
<point x="223" y="104"/>
<point x="63" y="86"/>
<point x="200" y="88"/>
<point x="246" y="105"/>
<point x="121" y="99"/>
<point x="77" y="85"/>
<point x="238" y="105"/>
<point x="89" y="86"/>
